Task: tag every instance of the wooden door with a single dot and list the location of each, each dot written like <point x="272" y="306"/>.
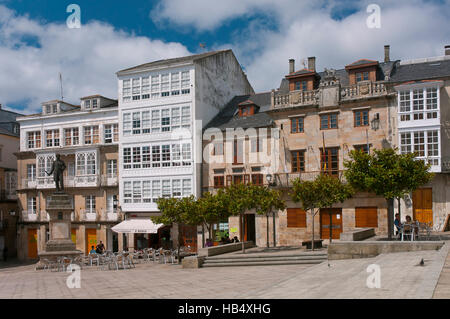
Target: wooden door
<point x="91" y="239"/>
<point x="73" y="235"/>
<point x="336" y="223"/>
<point x="423" y="205"/>
<point x="32" y="244"/>
<point x="189" y="237"/>
<point x="249" y="227"/>
<point x="366" y="217"/>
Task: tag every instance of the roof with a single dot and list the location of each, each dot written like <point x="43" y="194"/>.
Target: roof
<point x="421" y="71"/>
<point x="301" y="73"/>
<point x="228" y="118"/>
<point x="8" y="121"/>
<point x="360" y="63"/>
<point x="189" y="58"/>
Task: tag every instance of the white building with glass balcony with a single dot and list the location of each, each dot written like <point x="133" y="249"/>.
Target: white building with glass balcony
<point x="86" y="137"/>
<point x="423" y="117"/>
<point x="163" y="107"/>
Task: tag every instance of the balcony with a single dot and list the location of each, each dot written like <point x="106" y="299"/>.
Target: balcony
<point x="110" y="180"/>
<point x="361" y="90"/>
<point x="69" y="182"/>
<point x="28" y="183"/>
<point x="111" y="215"/>
<point x="8" y="195"/>
<point x="88" y="215"/>
<point x="29" y="216"/>
<point x="44" y="216"/>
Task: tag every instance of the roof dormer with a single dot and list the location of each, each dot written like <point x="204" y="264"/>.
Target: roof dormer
<point x="362" y="70"/>
<point x="94" y="102"/>
<point x="304" y="79"/>
<point x="247" y="108"/>
<point x="51" y="107"/>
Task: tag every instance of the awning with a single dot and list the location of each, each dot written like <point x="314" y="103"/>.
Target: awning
<point x="140" y="226"/>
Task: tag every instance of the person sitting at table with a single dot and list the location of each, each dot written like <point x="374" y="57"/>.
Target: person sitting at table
<point x="209" y="243"/>
<point x="92" y="251"/>
<point x="235" y="239"/>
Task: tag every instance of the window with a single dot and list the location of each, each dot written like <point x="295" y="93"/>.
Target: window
<point x="405" y="105"/>
<point x="165" y="120"/>
<point x="361" y="118"/>
<point x="90" y="164"/>
<point x="111" y="133"/>
<point x="328" y="121"/>
<point x="94" y="103"/>
<point x="111" y="168"/>
<point x="34" y="139"/>
<point x="187" y="187"/>
<point x="257" y="179"/>
<point x="127" y="158"/>
<point x="176" y="155"/>
<point x="146" y="123"/>
<point x="166" y="188"/>
<point x="136" y="123"/>
<point x="165" y="86"/>
<point x="432" y="102"/>
<point x="330" y="160"/>
<point x="296" y="218"/>
<point x="238" y="147"/>
<point x="425" y="143"/>
<point x="405" y="143"/>
<point x="186" y="116"/>
<point x="126" y="124"/>
<point x="86" y="164"/>
<point x="217" y="148"/>
<point x="71" y="136"/>
<point x="136" y="157"/>
<point x="146" y="157"/>
<point x="156" y="155"/>
<point x="418" y="104"/>
<point x="31" y="172"/>
<point x="362" y="148"/>
<point x="91" y="135"/>
<point x="301" y="85"/>
<point x="419" y="143"/>
<point x="52" y="138"/>
<point x="10" y="182"/>
<point x="186" y="154"/>
<point x="175" y="83"/>
<point x="89" y="202"/>
<point x="156" y="121"/>
<point x="87" y="104"/>
<point x="297" y="125"/>
<point x="44" y="163"/>
<point x="362" y="76"/>
<point x="156" y="190"/>
<point x="127" y="192"/>
<point x="137" y="195"/>
<point x="218" y="181"/>
<point x="298" y="161"/>
<point x="145" y="88"/>
<point x="146" y="192"/>
<point x="185" y="82"/>
<point x="176" y="188"/>
<point x="165" y="155"/>
<point x="31" y="205"/>
<point x="136" y="89"/>
<point x="255" y="144"/>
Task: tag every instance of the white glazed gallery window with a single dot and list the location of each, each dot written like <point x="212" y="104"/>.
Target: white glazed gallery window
<point x="127" y="192"/>
<point x="176" y="188"/>
<point x="156" y="190"/>
<point x="31" y="204"/>
<point x="136" y="157"/>
<point x="111" y="133"/>
<point x="137" y="194"/>
<point x="34" y="139"/>
<point x="31" y="172"/>
<point x="44" y="163"/>
<point x="52" y="138"/>
<point x="127" y="124"/>
<point x="155" y="86"/>
<point x="419" y="104"/>
<point x="94" y="103"/>
<point x="145" y="88"/>
<point x="185" y="83"/>
<point x="146" y="191"/>
<point x="165" y="85"/>
<point x="425" y="143"/>
<point x="146" y="157"/>
<point x="127" y="162"/>
<point x="126" y="90"/>
<point x="87" y="104"/>
<point x="91" y="135"/>
<point x="89" y="203"/>
<point x="136" y="123"/>
<point x="136" y="89"/>
<point x="71" y="136"/>
<point x="111" y="170"/>
<point x="175" y="84"/>
<point x="146" y="122"/>
<point x="86" y="164"/>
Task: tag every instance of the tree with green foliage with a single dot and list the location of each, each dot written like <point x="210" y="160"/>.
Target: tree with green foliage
<point x="323" y="192"/>
<point x="388" y="174"/>
<point x="177" y="211"/>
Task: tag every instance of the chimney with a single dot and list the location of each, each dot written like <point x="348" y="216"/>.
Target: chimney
<point x="291" y="66"/>
<point x="312" y="63"/>
<point x="447" y="50"/>
<point x="387" y="48"/>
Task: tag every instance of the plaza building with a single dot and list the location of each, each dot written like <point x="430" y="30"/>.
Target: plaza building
<point x="315" y="119"/>
<point x="423" y="116"/>
<point x="86" y="137"/>
<point x="9" y="210"/>
<point x="163" y="107"/>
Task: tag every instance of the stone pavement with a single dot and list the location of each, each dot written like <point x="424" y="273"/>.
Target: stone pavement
<point x="401" y="277"/>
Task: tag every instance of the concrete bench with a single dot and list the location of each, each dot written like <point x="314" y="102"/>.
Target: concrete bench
<point x="357" y="234"/>
<point x="222" y="249"/>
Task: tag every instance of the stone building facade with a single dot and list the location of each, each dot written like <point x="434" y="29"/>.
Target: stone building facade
<point x="86" y="138"/>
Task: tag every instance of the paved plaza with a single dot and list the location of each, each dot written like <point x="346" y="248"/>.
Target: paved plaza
<point x="402" y="276"/>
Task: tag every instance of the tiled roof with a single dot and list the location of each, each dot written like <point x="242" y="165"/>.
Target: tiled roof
<point x="188" y="58"/>
<point x="7" y="120"/>
<point x="361" y="62"/>
<point x="421" y="71"/>
<point x="228" y="117"/>
<point x="300" y="72"/>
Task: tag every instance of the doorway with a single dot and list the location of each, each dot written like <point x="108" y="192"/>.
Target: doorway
<point x="423" y="205"/>
<point x="330" y="218"/>
<point x="32" y="244"/>
<point x="249" y="228"/>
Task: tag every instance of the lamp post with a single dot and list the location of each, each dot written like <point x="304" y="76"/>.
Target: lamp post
<point x="271" y="182"/>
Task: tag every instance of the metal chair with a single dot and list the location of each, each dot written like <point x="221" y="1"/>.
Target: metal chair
<point x="407" y="230"/>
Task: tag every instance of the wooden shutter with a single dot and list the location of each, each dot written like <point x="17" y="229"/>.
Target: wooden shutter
<point x="366" y="217"/>
<point x="296" y="217"/>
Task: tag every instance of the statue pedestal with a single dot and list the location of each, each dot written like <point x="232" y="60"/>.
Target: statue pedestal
<point x="59" y="208"/>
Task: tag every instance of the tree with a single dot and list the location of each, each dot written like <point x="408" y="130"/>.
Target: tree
<point x="388" y="174"/>
<point x="267" y="201"/>
<point x="177" y="211"/>
<point x="323" y="192"/>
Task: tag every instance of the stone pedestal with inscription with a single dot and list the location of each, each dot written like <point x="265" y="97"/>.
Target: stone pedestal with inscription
<point x="59" y="208"/>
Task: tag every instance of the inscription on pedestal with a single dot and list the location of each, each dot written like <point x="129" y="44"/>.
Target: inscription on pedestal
<point x="60" y="230"/>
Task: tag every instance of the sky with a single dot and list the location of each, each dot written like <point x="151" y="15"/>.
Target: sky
<point x="36" y="44"/>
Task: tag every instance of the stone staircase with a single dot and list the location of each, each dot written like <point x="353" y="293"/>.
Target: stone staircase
<point x="265" y="259"/>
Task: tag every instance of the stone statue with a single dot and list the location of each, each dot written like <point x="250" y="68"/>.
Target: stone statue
<point x="57" y="169"/>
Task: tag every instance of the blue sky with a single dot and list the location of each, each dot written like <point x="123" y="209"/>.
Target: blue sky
<point x="35" y="43"/>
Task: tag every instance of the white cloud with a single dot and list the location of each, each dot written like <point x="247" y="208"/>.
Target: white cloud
<point x="413" y="28"/>
<point x="87" y="58"/>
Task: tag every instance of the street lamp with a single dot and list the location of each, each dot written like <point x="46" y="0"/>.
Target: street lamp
<point x="375" y="123"/>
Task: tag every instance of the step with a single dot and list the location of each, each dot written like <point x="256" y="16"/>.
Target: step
<point x="261" y="259"/>
<point x="246" y="256"/>
<point x="264" y="263"/>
